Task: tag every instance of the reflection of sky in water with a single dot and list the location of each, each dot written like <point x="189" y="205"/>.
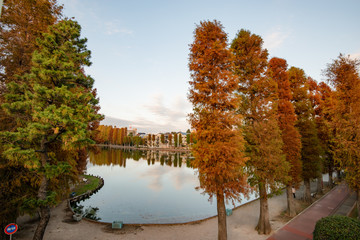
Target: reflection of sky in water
<point x="141" y="193"/>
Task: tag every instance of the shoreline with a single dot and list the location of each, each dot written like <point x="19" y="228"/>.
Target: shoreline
<point x="144" y="148"/>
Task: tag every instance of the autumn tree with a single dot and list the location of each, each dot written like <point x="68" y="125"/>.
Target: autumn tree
<point x="305" y="123"/>
<point x="277" y="70"/>
<point x="57" y="97"/>
<point x="343" y="75"/>
<point x="21" y="23"/>
<point x="218" y="152"/>
<point x="170" y="139"/>
<point x="176" y="139"/>
<point x="162" y="138"/>
<point x="258" y="96"/>
<point x="180" y="140"/>
<point x="322" y="100"/>
<point x="153" y="139"/>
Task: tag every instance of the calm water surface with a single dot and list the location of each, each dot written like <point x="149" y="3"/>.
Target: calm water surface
<point x="146" y="187"/>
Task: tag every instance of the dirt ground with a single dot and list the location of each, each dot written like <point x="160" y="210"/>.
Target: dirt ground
<point x="241" y="225"/>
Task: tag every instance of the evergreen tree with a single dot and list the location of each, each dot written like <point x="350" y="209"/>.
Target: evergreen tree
<point x="188" y="132"/>
<point x="21" y="23"/>
<point x="57" y="104"/>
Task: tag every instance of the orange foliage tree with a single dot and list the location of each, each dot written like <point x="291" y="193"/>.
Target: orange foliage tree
<point x="322" y="102"/>
<point x="343" y="75"/>
<point x="311" y="148"/>
<point x="218" y="152"/>
<point x="267" y="165"/>
<point x="277" y="70"/>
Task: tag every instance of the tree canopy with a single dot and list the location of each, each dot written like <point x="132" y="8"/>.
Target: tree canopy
<point x="218" y="152"/>
<point x="258" y="96"/>
<point x="56" y="104"/>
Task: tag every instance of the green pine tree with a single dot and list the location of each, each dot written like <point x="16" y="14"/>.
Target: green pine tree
<point x="56" y="107"/>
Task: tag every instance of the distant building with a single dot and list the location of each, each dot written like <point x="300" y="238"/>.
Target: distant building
<point x="132" y="131"/>
<point x="141" y="134"/>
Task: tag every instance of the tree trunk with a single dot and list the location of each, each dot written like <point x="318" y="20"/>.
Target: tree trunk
<point x="42" y="194"/>
<point x="319" y="188"/>
<point x="44" y="211"/>
<point x="263" y="226"/>
<point x="358" y="203"/>
<point x="222" y="231"/>
<point x="44" y="220"/>
<point x="290" y="202"/>
<point x="338" y="172"/>
<point x="331" y="180"/>
<point x="307" y="193"/>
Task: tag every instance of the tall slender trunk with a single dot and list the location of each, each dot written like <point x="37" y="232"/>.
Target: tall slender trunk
<point x="44" y="211"/>
<point x="290" y="202"/>
<point x="307" y="193"/>
<point x="319" y="188"/>
<point x="331" y="180"/>
<point x="263" y="226"/>
<point x="338" y="172"/>
<point x="358" y="202"/>
<point x="222" y="231"/>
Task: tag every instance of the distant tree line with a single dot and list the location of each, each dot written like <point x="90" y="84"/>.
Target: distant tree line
<point x="120" y="136"/>
<point x="117" y="136"/>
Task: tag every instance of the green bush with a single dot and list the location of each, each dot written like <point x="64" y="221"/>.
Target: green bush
<point x="337" y="228"/>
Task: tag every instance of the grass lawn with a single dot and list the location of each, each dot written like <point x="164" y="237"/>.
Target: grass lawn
<point x="89" y="185"/>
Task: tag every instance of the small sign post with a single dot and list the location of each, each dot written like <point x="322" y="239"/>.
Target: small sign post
<point x="10" y="229"/>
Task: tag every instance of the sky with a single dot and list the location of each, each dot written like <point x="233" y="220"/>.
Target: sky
<point x="140" y="48"/>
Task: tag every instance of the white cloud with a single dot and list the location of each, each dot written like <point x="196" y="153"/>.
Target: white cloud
<point x="113" y="27"/>
<point x="168" y="114"/>
<point x="275" y="39"/>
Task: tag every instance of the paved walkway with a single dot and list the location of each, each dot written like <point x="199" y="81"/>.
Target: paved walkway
<point x="302" y="226"/>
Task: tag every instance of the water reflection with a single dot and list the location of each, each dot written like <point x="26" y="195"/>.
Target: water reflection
<point x="89" y="212"/>
<point x="146" y="187"/>
<point x="112" y="156"/>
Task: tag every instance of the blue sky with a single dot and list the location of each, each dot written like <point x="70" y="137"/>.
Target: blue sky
<point x="140" y="48"/>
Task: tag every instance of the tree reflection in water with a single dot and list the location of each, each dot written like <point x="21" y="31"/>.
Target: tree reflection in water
<point x="89" y="212"/>
<point x="113" y="156"/>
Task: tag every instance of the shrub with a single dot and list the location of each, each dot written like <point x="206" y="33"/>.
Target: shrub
<point x="337" y="228"/>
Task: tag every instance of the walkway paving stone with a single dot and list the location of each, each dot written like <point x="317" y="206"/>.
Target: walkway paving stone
<point x="302" y="226"/>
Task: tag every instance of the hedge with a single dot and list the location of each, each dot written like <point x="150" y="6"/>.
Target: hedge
<point x="337" y="228"/>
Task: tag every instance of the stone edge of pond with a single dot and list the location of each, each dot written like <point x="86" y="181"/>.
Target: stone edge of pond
<point x="160" y="224"/>
<point x="85" y="195"/>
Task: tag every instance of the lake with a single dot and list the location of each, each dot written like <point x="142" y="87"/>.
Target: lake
<point x="146" y="187"/>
